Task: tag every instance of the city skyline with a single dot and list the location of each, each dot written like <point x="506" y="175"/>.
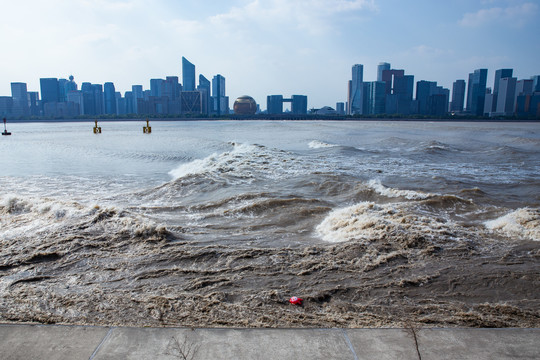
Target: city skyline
<point x="267" y="47"/>
<point x="393" y="93"/>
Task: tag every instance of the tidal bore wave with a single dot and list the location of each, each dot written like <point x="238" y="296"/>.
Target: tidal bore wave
<point x="233" y="234"/>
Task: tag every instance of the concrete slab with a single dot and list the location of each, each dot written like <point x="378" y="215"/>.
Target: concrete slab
<point x="479" y="344"/>
<point x="49" y="342"/>
<point x="93" y="343"/>
<point x="382" y="344"/>
<point x="248" y="344"/>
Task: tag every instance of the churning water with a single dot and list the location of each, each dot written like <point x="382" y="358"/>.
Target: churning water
<point x="218" y="223"/>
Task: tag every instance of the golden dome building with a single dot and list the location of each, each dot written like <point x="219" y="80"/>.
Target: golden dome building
<point x="245" y="105"/>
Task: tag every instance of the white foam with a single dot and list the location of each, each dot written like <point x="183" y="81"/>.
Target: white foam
<point x="244" y="163"/>
<point x="317" y="144"/>
<point x="371" y="221"/>
<point x="523" y="223"/>
<point x="395" y="193"/>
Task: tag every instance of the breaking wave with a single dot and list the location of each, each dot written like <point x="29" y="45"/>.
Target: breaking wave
<point x="369" y="221"/>
<point x="396" y="193"/>
<point x="524" y="223"/>
<point x="317" y="144"/>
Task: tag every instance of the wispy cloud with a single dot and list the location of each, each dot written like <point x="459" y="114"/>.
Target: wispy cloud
<point x="513" y="16"/>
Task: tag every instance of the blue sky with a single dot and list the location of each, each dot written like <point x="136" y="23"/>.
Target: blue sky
<point x="265" y="47"/>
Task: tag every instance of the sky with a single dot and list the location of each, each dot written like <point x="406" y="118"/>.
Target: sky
<point x="265" y="47"/>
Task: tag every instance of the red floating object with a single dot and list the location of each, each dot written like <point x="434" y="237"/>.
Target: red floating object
<point x="295" y="300"/>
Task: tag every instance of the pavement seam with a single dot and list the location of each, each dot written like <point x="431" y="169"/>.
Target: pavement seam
<point x="349" y="343"/>
<point x="105" y="338"/>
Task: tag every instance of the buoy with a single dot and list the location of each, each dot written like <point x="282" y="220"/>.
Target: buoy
<point x="147" y="129"/>
<point x="5" y="129"/>
<point x="97" y="129"/>
<point x="296" y="300"/>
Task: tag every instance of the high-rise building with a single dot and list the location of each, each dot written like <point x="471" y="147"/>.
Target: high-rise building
<point x="19" y="94"/>
<point x="172" y="88"/>
<point x="157" y="87"/>
<point x="77" y="99"/>
<point x="458" y="96"/>
<point x="98" y="98"/>
<point x="205" y="89"/>
<point x="191" y="102"/>
<point x="389" y="76"/>
<point x="89" y="102"/>
<point x="128" y="95"/>
<point x="476" y="92"/>
<point x="376" y="95"/>
<point x="357" y="89"/>
<point x="71" y="85"/>
<point x="6" y="106"/>
<point x="349" y="96"/>
<point x="499" y="74"/>
<point x="506" y="96"/>
<point x="299" y="104"/>
<point x="188" y="75"/>
<point x="340" y="108"/>
<point x="221" y="102"/>
<point x="536" y="83"/>
<point x="424" y="89"/>
<point x="439" y="101"/>
<point x="109" y="94"/>
<point x="62" y="91"/>
<point x="49" y="90"/>
<point x="523" y="87"/>
<point x="274" y="104"/>
<point x="380" y="68"/>
<point x="489" y="103"/>
<point x="33" y="103"/>
<point x="138" y="94"/>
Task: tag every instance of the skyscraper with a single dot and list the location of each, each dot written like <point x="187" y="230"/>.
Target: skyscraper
<point x="71" y="85"/>
<point x="62" y="91"/>
<point x="499" y="74"/>
<point x="357" y="89"/>
<point x="156" y="87"/>
<point x="274" y="104"/>
<point x="375" y="97"/>
<point x="188" y="75"/>
<point x="299" y="104"/>
<point x="98" y="98"/>
<point x="49" y="90"/>
<point x="506" y="96"/>
<point x="523" y="87"/>
<point x="109" y="95"/>
<point x="33" y="103"/>
<point x="205" y="89"/>
<point x="19" y="94"/>
<point x="138" y="94"/>
<point x="172" y="88"/>
<point x="380" y="68"/>
<point x="476" y="92"/>
<point x="89" y="103"/>
<point x="458" y="96"/>
<point x="221" y="102"/>
<point x="536" y="83"/>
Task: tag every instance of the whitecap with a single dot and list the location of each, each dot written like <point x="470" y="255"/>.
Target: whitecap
<point x="523" y="223"/>
<point x="317" y="144"/>
<point x="370" y="221"/>
<point x="395" y="193"/>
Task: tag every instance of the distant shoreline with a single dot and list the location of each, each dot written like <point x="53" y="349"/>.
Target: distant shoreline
<point x="274" y="119"/>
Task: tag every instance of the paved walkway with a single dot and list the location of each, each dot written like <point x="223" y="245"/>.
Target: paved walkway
<point x="89" y="342"/>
